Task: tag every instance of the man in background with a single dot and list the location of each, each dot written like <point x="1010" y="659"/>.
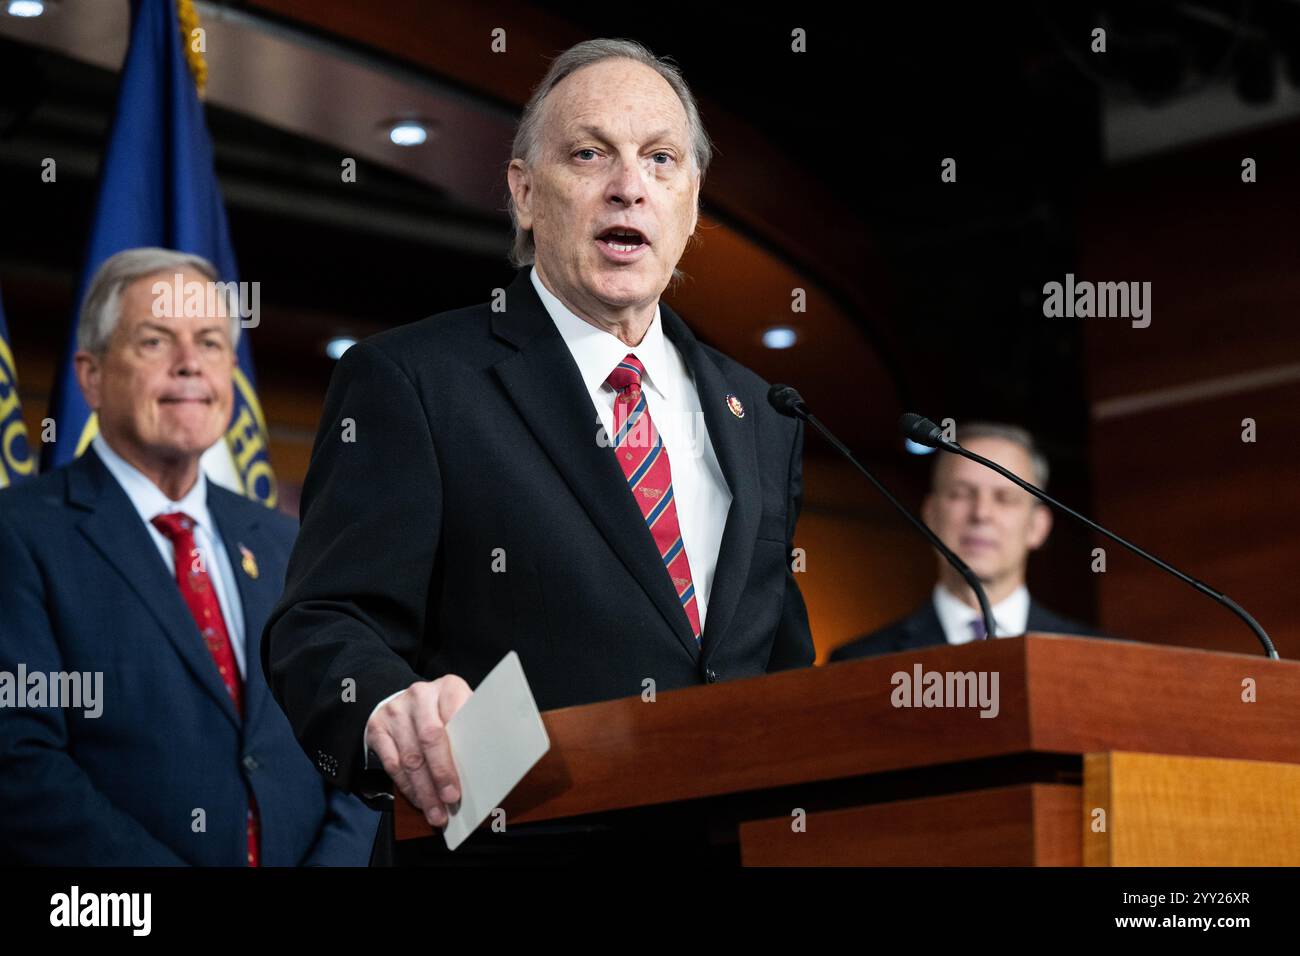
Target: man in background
<point x="147" y="587"/>
<point x="993" y="526"/>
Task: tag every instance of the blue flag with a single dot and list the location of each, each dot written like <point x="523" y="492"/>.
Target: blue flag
<point x="16" y="461"/>
<point x="158" y="187"/>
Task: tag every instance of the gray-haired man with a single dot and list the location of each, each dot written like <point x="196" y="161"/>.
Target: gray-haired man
<point x="993" y="526"/>
<point x="131" y="571"/>
<point x="575" y="478"/>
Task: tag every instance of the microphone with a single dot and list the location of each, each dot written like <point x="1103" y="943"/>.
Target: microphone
<point x="787" y="400"/>
<point x="925" y="432"/>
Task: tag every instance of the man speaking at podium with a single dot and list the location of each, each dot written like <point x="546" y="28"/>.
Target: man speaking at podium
<point x="565" y="472"/>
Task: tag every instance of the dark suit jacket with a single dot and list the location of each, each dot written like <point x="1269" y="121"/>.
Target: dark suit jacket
<point x="84" y="588"/>
<point x="922" y="629"/>
<point x="474" y="438"/>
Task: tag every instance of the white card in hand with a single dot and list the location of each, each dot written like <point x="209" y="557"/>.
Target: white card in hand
<point x="496" y="738"/>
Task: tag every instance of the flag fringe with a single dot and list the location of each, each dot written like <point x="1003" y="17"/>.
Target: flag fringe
<point x="189" y="20"/>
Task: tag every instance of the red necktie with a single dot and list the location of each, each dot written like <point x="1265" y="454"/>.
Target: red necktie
<point x="201" y="599"/>
<point x="644" y="460"/>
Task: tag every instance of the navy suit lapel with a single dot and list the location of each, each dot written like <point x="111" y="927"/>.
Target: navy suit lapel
<point x="546" y="387"/>
<point x="244" y="538"/>
<point x="1049" y="622"/>
<point x="734" y="442"/>
<point x="924" y="627"/>
<point x="114" y="528"/>
<point x="1041" y="619"/>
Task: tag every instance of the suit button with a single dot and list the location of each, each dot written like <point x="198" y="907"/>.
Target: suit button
<point x="711" y="676"/>
<point x="250" y="762"/>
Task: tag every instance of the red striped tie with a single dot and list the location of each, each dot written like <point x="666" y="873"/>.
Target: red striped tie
<point x="644" y="460"/>
<point x="196" y="589"/>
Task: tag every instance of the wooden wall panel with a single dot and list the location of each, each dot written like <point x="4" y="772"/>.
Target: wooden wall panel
<point x="1170" y="468"/>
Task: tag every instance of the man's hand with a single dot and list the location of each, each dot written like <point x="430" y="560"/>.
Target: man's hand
<point x="409" y="734"/>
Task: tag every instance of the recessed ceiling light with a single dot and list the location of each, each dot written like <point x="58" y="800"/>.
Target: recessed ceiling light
<point x="779" y="337"/>
<point x="408" y="133"/>
<point x="336" y="346"/>
<point x="26" y="8"/>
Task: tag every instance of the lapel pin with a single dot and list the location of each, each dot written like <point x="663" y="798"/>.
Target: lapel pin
<point x="249" y="562"/>
<point x="736" y="407"/>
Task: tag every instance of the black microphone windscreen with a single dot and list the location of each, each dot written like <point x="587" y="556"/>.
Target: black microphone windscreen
<point x="920" y="429"/>
<point x="787" y="400"/>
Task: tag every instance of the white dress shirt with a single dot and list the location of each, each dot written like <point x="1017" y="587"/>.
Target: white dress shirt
<point x="149" y="502"/>
<point x="1010" y="615"/>
<point x="699" y="488"/>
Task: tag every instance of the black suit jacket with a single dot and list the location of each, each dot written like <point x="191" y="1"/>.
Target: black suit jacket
<point x="467" y="442"/>
<point x="922" y="628"/>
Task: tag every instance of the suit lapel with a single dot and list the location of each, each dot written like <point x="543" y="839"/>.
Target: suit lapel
<point x="114" y="528"/>
<point x="924" y="627"/>
<point x="1044" y="621"/>
<point x="546" y="387"/>
<point x="242" y="533"/>
<point x="734" y="442"/>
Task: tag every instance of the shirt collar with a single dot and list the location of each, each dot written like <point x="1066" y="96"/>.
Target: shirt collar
<point x="597" y="352"/>
<point x="148" y="498"/>
<point x="1010" y="615"/>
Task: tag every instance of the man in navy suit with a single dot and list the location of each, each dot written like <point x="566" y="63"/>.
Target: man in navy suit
<point x="566" y="471"/>
<point x="993" y="526"/>
<point x="132" y="577"/>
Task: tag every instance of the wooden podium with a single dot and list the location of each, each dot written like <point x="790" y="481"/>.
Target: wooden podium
<point x="1101" y="752"/>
